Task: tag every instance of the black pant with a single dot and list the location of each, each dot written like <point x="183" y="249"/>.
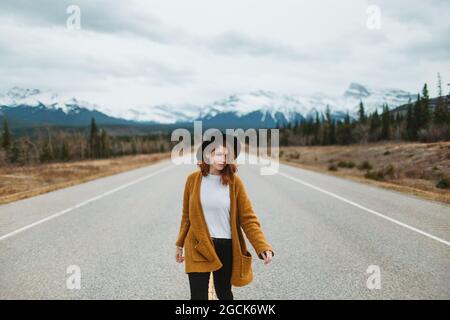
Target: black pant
<point x="199" y="281"/>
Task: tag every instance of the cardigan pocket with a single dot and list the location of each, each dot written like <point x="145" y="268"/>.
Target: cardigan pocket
<point x="200" y="252"/>
<point x="246" y="264"/>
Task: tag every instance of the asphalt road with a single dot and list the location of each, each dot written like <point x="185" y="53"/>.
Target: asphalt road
<point x="326" y="232"/>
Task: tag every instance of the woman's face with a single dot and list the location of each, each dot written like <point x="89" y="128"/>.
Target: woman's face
<point x="218" y="159"/>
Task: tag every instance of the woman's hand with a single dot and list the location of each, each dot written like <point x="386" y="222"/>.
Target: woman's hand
<point x="267" y="256"/>
<point x="179" y="255"/>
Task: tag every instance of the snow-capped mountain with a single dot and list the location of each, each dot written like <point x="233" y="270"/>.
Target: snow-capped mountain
<point x="267" y="107"/>
<point x="25" y="107"/>
<point x="161" y="113"/>
<point x="372" y="99"/>
<point x="267" y="102"/>
<point x="17" y="96"/>
<point x="270" y="107"/>
<point x="260" y="108"/>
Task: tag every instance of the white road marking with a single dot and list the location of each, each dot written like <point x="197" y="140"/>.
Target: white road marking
<point x="426" y="234"/>
<point x="53" y="216"/>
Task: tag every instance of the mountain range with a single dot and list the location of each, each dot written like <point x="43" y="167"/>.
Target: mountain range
<point x="262" y="108"/>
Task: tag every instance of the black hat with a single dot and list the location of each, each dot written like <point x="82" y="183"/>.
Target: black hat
<point x="228" y="139"/>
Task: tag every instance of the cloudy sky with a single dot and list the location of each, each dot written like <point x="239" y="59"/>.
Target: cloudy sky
<point x="142" y="52"/>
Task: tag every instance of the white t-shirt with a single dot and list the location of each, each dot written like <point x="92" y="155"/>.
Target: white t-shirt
<point x="215" y="200"/>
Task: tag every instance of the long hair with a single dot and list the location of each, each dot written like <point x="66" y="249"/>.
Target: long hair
<point x="226" y="174"/>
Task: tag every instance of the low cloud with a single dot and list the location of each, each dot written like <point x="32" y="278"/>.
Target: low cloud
<point x="151" y="52"/>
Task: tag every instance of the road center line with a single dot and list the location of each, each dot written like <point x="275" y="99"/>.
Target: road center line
<point x="364" y="208"/>
<point x="53" y="216"/>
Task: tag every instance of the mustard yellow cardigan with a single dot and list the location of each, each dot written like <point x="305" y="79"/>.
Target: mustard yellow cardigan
<point x="194" y="236"/>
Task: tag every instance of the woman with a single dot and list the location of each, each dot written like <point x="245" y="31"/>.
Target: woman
<point x="215" y="208"/>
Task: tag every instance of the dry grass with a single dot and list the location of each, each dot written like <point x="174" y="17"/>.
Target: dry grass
<point x="19" y="182"/>
<point x="413" y="168"/>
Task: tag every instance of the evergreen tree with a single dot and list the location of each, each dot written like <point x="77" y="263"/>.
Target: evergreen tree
<point x="330" y="127"/>
<point x="332" y="132"/>
<point x="398" y="118"/>
<point x="418" y="113"/>
<point x="104" y="144"/>
<point x="391" y="115"/>
<point x="425" y="106"/>
<point x="361" y="113"/>
<point x="93" y="140"/>
<point x="326" y="126"/>
<point x="411" y="128"/>
<point x="385" y="123"/>
<point x="346" y="129"/>
<point x="6" y="135"/>
<point x="325" y="134"/>
<point x="374" y="125"/>
<point x="316" y="129"/>
<point x="440" y="115"/>
<point x="441" y="112"/>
